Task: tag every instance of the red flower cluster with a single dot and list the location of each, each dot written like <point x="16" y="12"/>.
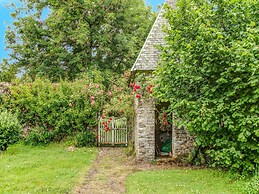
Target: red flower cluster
<point x="106" y="124"/>
<point x="135" y="88"/>
<point x="149" y="89"/>
<point x="165" y="119"/>
<point x="138" y="96"/>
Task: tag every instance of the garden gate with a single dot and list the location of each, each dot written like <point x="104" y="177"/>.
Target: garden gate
<point x="112" y="132"/>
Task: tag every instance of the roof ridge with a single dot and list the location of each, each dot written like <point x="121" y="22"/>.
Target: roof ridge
<point x="148" y="55"/>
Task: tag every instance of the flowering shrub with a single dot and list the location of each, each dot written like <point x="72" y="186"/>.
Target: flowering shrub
<point x="143" y="87"/>
<point x="119" y="102"/>
<point x="52" y="112"/>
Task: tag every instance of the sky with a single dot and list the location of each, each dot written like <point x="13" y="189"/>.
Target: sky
<point x="6" y="19"/>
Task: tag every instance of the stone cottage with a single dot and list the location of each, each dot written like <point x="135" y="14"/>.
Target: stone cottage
<point x="148" y="137"/>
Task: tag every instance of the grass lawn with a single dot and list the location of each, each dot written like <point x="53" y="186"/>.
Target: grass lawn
<point x="182" y="181"/>
<point x="50" y="169"/>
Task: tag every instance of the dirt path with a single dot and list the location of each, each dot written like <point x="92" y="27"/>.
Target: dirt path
<point x="109" y="172"/>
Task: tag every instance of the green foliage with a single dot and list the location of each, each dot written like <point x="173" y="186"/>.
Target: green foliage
<point x="10" y="129"/>
<point x="76" y="36"/>
<point x="252" y="187"/>
<point x="52" y="112"/>
<point x="38" y="136"/>
<point x="210" y="75"/>
<point x="7" y="73"/>
<point x="85" y="138"/>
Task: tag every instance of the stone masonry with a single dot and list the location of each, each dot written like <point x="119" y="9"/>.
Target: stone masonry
<point x="182" y="142"/>
<point x="145" y="121"/>
<point x="145" y="129"/>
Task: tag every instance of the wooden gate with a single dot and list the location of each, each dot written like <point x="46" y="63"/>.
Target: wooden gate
<point x="112" y="132"/>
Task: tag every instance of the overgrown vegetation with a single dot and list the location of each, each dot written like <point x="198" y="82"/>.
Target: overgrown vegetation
<point x="50" y="169"/>
<point x="52" y="112"/>
<point x="10" y="129"/>
<point x="210" y="75"/>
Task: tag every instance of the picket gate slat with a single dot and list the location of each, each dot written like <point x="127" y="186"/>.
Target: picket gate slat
<point x="117" y="134"/>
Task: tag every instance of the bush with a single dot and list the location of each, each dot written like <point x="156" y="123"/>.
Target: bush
<point x="38" y="136"/>
<point x="10" y="129"/>
<point x="53" y="112"/>
<point x="86" y="138"/>
<point x="210" y="74"/>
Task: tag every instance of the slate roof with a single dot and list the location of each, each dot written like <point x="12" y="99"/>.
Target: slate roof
<point x="149" y="54"/>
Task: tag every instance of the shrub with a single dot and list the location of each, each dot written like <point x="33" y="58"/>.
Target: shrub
<point x="53" y="112"/>
<point x="210" y="74"/>
<point x="86" y="138"/>
<point x="10" y="129"/>
<point x="38" y="136"/>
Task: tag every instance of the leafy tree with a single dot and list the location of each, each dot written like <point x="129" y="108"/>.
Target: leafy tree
<point x="210" y="74"/>
<point x="77" y="35"/>
<point x="7" y="73"/>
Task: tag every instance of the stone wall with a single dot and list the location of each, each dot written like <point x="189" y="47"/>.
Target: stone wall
<point x="182" y="142"/>
<point x="145" y="107"/>
<point x="144" y="129"/>
<point x="145" y="133"/>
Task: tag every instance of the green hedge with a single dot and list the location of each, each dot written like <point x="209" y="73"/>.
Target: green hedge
<point x="54" y="111"/>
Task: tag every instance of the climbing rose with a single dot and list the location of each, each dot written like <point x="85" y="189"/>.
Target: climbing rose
<point x="149" y="89"/>
<point x="138" y="96"/>
<point x="136" y="87"/>
<point x="132" y="84"/>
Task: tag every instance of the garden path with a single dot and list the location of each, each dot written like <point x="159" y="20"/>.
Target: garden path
<point x="109" y="172"/>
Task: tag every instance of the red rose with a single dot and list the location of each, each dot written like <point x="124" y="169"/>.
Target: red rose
<point x="138" y="96"/>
